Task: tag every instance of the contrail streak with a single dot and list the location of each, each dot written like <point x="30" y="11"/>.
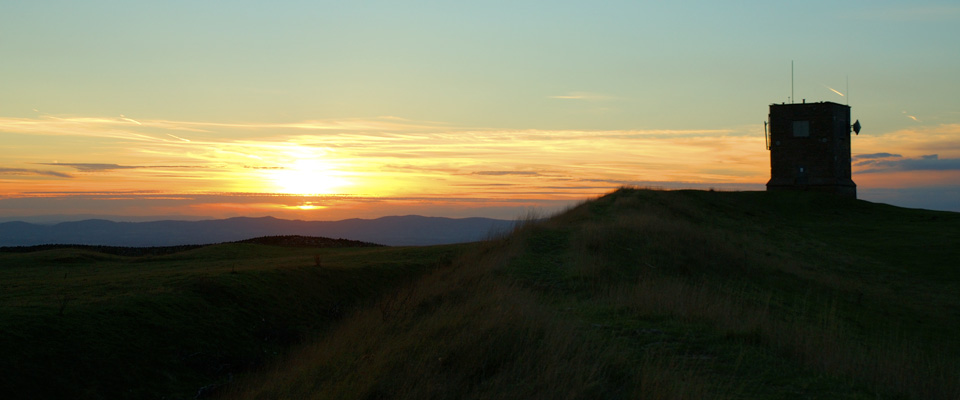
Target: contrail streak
<point x="123" y="117"/>
<point x="179" y="138"/>
<point x="834" y="90"/>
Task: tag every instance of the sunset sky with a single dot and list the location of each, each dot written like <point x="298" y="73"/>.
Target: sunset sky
<point x="324" y="110"/>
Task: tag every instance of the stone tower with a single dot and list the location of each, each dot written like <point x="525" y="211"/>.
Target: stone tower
<point x="809" y="147"/>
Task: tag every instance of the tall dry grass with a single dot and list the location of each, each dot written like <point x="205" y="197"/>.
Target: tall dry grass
<point x="882" y="360"/>
<point x="467" y="332"/>
<point x="652" y="263"/>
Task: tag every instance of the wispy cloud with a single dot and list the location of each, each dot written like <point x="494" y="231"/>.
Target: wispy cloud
<point x="85" y="167"/>
<point x="502" y="173"/>
<point x="929" y="162"/>
<point x="130" y="120"/>
<point x="585" y="96"/>
<point x="875" y="155"/>
<point x="98" y="167"/>
<point x="913" y="117"/>
<point x="23" y="171"/>
<point x="330" y="207"/>
<point x="158" y="130"/>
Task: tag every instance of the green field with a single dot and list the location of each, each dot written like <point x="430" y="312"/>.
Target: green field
<point x="637" y="294"/>
<point x="77" y="323"/>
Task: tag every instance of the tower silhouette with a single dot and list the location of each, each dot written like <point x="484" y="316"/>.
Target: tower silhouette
<point x="809" y="147"/>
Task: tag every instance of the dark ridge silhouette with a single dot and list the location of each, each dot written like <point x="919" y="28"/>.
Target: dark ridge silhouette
<point x="307" y="241"/>
<point x="408" y="230"/>
<point x="284" y="241"/>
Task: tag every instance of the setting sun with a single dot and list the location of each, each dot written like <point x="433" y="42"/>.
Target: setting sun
<point x="306" y="177"/>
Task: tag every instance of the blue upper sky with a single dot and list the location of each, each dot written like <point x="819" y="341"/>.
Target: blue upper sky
<point x="505" y="64"/>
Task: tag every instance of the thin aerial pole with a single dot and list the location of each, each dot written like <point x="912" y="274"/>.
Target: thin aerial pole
<point x="792" y="98"/>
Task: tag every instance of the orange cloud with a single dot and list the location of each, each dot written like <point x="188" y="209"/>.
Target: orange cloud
<point x="940" y="139"/>
<point x="394" y="158"/>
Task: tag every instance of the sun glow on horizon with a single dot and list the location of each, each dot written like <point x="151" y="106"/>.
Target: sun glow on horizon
<point x="306" y="177"/>
<point x="308" y="206"/>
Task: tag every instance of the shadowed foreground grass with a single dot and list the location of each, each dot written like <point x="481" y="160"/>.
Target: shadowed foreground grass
<point x="663" y="295"/>
<point x="638" y="294"/>
<point x="81" y="324"/>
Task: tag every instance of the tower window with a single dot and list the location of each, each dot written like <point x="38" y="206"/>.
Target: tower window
<point x="801" y="128"/>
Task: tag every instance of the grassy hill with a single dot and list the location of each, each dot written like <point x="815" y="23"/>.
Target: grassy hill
<point x="663" y="295"/>
<point x="637" y="294"/>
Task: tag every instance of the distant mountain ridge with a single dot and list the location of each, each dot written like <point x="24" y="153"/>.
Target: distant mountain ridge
<point x="410" y="230"/>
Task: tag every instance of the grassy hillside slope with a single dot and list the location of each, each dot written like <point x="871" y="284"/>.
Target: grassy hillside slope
<point x="663" y="295"/>
<point x="77" y="323"/>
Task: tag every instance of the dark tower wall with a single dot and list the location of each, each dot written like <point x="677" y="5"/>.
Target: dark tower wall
<point x="810" y="148"/>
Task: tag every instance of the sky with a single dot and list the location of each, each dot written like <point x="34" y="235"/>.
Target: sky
<point x="322" y="110"/>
